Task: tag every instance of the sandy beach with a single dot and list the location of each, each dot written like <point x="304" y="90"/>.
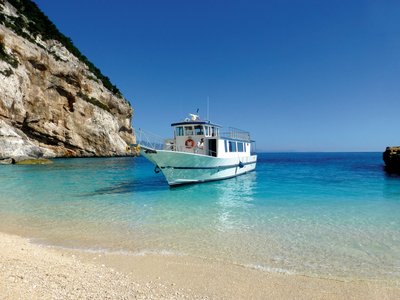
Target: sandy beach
<point x="31" y="271"/>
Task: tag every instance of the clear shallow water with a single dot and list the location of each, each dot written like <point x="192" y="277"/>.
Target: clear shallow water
<point x="320" y="214"/>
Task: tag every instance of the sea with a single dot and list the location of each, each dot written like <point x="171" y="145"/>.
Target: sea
<point x="328" y="215"/>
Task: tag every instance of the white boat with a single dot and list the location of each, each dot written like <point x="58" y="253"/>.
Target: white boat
<point x="199" y="152"/>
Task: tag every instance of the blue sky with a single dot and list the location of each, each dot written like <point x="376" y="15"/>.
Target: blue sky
<point x="299" y="75"/>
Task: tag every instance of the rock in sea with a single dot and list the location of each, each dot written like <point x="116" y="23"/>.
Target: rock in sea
<point x="391" y="158"/>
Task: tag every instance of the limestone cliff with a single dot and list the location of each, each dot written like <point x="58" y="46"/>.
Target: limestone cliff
<point x="53" y="101"/>
<point x="391" y="158"/>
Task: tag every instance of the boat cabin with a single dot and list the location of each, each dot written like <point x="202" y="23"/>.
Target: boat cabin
<point x="203" y="137"/>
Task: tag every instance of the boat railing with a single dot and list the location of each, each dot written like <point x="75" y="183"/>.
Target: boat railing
<point x="195" y="150"/>
<point x="253" y="148"/>
<point x="149" y="140"/>
<point x="236" y="134"/>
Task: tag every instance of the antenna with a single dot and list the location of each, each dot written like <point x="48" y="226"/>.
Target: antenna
<point x="208" y="108"/>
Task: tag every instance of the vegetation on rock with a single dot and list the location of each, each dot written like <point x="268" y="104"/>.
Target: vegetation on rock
<point x="33" y="161"/>
<point x="94" y="101"/>
<point x="7" y="72"/>
<point x="8" y="58"/>
<point x="33" y="23"/>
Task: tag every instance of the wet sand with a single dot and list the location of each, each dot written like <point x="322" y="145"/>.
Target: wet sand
<point x="30" y="271"/>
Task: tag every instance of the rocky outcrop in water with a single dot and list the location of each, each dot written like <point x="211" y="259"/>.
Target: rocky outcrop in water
<point x="53" y="101"/>
<point x="391" y="158"/>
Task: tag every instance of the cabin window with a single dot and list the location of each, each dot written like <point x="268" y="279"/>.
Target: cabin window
<point x="212" y="131"/>
<point x="188" y="130"/>
<point x="240" y="147"/>
<point x="226" y="145"/>
<point x="207" y="131"/>
<point x="217" y="131"/>
<point x="179" y="131"/>
<point x="232" y="146"/>
<point x="198" y="130"/>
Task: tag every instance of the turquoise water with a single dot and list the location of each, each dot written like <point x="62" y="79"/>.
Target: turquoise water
<point x="318" y="214"/>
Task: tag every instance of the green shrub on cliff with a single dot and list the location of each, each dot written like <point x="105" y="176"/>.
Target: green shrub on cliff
<point x="94" y="101"/>
<point x="11" y="60"/>
<point x="39" y="24"/>
<point x="7" y="72"/>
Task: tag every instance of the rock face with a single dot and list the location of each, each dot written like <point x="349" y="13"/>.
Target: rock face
<point x="392" y="159"/>
<point x="52" y="103"/>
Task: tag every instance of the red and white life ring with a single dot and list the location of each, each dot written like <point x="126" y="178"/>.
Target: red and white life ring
<point x="189" y="143"/>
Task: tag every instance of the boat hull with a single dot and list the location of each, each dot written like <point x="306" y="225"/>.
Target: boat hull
<point x="184" y="168"/>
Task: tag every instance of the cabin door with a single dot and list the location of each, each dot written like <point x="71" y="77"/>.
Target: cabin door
<point x="212" y="147"/>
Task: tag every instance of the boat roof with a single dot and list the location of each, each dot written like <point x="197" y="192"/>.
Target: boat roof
<point x="190" y="122"/>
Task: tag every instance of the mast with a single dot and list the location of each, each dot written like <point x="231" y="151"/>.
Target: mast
<point x="208" y="108"/>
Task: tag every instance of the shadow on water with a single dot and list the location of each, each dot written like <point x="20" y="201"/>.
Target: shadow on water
<point x="391" y="189"/>
<point x="391" y="172"/>
<point x="158" y="183"/>
<point x="131" y="186"/>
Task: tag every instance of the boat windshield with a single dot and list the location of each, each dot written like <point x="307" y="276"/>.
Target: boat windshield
<point x="179" y="131"/>
<point x="198" y="129"/>
<point x="188" y="130"/>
